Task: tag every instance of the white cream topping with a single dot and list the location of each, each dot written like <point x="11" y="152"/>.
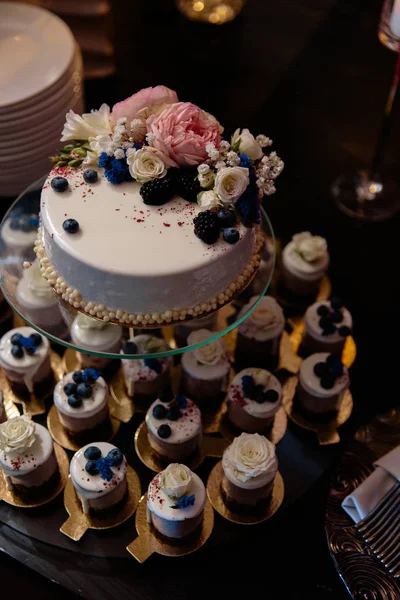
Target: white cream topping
<point x="160" y="503"/>
<point x="207" y="362"/>
<point x="95" y="335"/>
<point x="253" y="408"/>
<point x="312" y="384"/>
<point x="306" y="255"/>
<point x="266" y="322"/>
<point x="29" y="363"/>
<point x="15" y="238"/>
<point x="136" y="370"/>
<point x="33" y="290"/>
<point x="185" y="428"/>
<point x="250" y="461"/>
<point x="89" y="407"/>
<point x="93" y="486"/>
<point x="25" y="461"/>
<point x="312" y="319"/>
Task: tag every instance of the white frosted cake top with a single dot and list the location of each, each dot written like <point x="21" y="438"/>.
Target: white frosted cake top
<point x="312" y="383"/>
<point x="24" y="446"/>
<point x="306" y="255"/>
<point x="89" y="406"/>
<point x="94" y="486"/>
<point x="170" y="486"/>
<point x="207" y="362"/>
<point x="146" y="369"/>
<point x="266" y="322"/>
<point x="186" y="427"/>
<point x="263" y="378"/>
<point x="17" y="238"/>
<point x="250" y="461"/>
<point x="34" y="291"/>
<point x="95" y="335"/>
<point x="28" y="364"/>
<point x="313" y="322"/>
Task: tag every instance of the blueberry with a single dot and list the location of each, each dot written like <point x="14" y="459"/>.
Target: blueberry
<point x="36" y="338"/>
<point x="74" y="401"/>
<point x="248" y="383"/>
<point x="323" y="310"/>
<point x="164" y="431"/>
<point x="173" y="413"/>
<point x="344" y="331"/>
<point x="16" y="339"/>
<point x="59" y="184"/>
<point x="255" y="392"/>
<point x="17" y="351"/>
<point x="337" y="316"/>
<point x="14" y="223"/>
<point x="71" y="226"/>
<point x="84" y="390"/>
<point x="166" y="395"/>
<point x="271" y="396"/>
<point x="231" y="235"/>
<point x="69" y="388"/>
<point x="91" y="467"/>
<point x="129" y="347"/>
<point x="92" y="453"/>
<point x="181" y="401"/>
<point x="226" y="218"/>
<point x="30" y="351"/>
<point x="116" y="457"/>
<point x="336" y="303"/>
<point x="90" y="176"/>
<point x="321" y="369"/>
<point x="325" y="322"/>
<point x="332" y="358"/>
<point x="77" y="376"/>
<point x="159" y="411"/>
<point x="336" y="369"/>
<point x="327" y="382"/>
<point x="329" y="330"/>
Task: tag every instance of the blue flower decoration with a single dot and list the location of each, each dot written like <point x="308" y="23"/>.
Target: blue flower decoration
<point x="185" y="501"/>
<point x="28" y="343"/>
<point x="181" y="401"/>
<point x="248" y="206"/>
<point x="34" y="221"/>
<point x="153" y="364"/>
<point x="103" y="465"/>
<point x="116" y="170"/>
<point x="245" y="161"/>
<point x="90" y="375"/>
<point x="336" y="367"/>
<point x="248" y="383"/>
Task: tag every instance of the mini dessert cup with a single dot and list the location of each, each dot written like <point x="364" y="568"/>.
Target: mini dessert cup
<point x="19" y="235"/>
<point x="25" y="359"/>
<point x="260" y="334"/>
<point x="326" y="327"/>
<point x="98" y="473"/>
<point x="205" y="371"/>
<point x="27" y="456"/>
<point x="254" y="398"/>
<point x="175" y="501"/>
<point x="323" y="381"/>
<point x="305" y="261"/>
<point x="39" y="302"/>
<point x="174" y="427"/>
<point x="81" y="400"/>
<point x="249" y="467"/>
<point x="97" y="336"/>
<point x="145" y="377"/>
<point x="183" y="330"/>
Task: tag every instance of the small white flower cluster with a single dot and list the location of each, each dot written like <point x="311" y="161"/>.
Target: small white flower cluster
<point x="267" y="171"/>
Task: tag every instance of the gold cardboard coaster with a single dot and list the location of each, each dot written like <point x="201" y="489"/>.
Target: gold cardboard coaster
<point x="213" y="447"/>
<point x="33" y="404"/>
<point x="349" y="351"/>
<point x="275" y="434"/>
<point x="326" y="432"/>
<point x="16" y="499"/>
<point x="149" y="542"/>
<point x="214" y="493"/>
<point x="78" y="523"/>
<point x="288" y="359"/>
<point x="71" y="361"/>
<point x="60" y="435"/>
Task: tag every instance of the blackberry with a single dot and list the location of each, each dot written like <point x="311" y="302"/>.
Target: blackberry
<point x="186" y="184"/>
<point x="206" y="227"/>
<point x="157" y="191"/>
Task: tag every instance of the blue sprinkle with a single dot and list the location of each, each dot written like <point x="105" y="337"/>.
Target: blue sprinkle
<point x="153" y="364"/>
<point x="181" y="401"/>
<point x="185" y="501"/>
<point x="248" y="383"/>
<point x="115" y="170"/>
<point x="245" y="161"/>
<point x="28" y="343"/>
<point x="248" y="206"/>
<point x="89" y="375"/>
<point x="103" y="466"/>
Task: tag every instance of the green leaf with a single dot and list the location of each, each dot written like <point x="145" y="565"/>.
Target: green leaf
<point x="79" y="152"/>
<point x="76" y="162"/>
<point x="236" y="146"/>
<point x="61" y="163"/>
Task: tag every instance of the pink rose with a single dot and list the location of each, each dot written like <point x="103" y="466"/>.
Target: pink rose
<point x="181" y="134"/>
<point x="146" y="98"/>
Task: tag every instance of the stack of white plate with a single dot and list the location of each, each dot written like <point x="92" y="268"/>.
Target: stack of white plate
<point x="40" y="80"/>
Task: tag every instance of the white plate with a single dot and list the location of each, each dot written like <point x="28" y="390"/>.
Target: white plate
<point x="39" y="47"/>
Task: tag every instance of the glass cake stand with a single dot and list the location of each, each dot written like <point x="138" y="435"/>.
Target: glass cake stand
<point x="226" y="318"/>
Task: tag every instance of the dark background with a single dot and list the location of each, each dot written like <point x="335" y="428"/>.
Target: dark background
<point x="312" y="75"/>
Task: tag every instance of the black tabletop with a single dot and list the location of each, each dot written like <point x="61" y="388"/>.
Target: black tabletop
<point x="312" y="75"/>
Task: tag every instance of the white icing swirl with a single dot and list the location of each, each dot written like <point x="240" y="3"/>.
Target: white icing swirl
<point x="310" y="247"/>
<point x="265" y="322"/>
<point x="36" y="284"/>
<point x="17" y="434"/>
<point x="249" y="456"/>
<point x="86" y="322"/>
<point x="176" y="480"/>
<point x="211" y="354"/>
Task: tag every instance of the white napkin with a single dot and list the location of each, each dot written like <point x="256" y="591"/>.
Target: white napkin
<point x="368" y="495"/>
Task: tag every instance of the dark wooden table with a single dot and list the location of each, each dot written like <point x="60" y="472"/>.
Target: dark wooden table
<point x="312" y="75"/>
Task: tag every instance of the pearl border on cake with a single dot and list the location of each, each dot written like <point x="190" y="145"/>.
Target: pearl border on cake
<point x="120" y="317"/>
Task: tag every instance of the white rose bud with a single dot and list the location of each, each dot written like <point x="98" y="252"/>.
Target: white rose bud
<point x="176" y="480"/>
<point x="230" y="183"/>
<point x="138" y="130"/>
<point x="203" y="169"/>
<point x="249" y="456"/>
<point x="17" y="434"/>
<point x="211" y="354"/>
<point x="248" y="144"/>
<point x="209" y="200"/>
<point x="206" y="181"/>
<point x="145" y="165"/>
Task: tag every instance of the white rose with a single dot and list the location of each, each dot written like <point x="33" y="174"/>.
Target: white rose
<point x="230" y="183"/>
<point x="210" y="354"/>
<point x="89" y="125"/>
<point x="266" y="313"/>
<point x="248" y="145"/>
<point x="208" y="200"/>
<point x="145" y="165"/>
<point x="310" y="247"/>
<point x="36" y="283"/>
<point x="249" y="456"/>
<point x="176" y="480"/>
<point x="17" y="434"/>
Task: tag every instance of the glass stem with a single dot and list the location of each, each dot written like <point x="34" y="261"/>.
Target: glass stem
<point x="386" y="122"/>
